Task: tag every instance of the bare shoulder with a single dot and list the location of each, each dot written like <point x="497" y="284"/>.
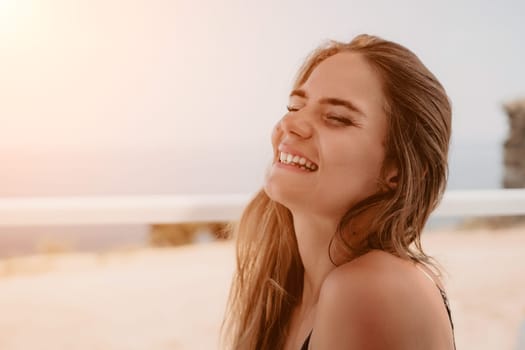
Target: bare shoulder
<point x="376" y="301"/>
<point x="373" y="283"/>
<point x="376" y="273"/>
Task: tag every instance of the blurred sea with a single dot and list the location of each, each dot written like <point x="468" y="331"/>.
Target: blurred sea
<point x="37" y="174"/>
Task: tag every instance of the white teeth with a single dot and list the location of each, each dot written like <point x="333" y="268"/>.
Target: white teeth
<point x="301" y="162"/>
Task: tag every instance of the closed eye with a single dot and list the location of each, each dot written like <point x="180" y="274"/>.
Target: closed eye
<point x="342" y="120"/>
<point x="338" y="119"/>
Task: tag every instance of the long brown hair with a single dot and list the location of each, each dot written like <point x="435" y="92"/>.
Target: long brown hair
<point x="268" y="281"/>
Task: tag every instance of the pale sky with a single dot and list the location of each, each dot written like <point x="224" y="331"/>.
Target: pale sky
<point x="204" y="81"/>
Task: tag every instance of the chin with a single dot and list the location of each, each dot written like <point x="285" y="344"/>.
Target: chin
<point x="286" y="196"/>
<point x="270" y="191"/>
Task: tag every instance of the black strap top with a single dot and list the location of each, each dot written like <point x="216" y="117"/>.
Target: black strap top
<point x="445" y="301"/>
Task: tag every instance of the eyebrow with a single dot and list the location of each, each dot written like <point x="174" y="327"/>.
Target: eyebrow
<point x="329" y="100"/>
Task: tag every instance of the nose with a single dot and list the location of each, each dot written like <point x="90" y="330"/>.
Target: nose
<point x="295" y="124"/>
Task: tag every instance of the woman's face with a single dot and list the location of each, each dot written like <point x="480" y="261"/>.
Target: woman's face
<point x="337" y="124"/>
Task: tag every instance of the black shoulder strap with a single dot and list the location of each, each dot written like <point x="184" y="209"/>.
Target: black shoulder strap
<point x="306" y="342"/>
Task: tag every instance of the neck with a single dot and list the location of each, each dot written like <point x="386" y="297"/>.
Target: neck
<point x="314" y="234"/>
<point x="313" y="238"/>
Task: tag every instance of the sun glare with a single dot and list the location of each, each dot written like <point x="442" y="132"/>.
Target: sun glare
<point x="14" y="15"/>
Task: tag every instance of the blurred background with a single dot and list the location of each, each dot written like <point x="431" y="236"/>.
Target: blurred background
<point x="179" y="97"/>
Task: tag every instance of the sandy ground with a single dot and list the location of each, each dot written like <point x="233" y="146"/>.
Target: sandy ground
<point x="174" y="298"/>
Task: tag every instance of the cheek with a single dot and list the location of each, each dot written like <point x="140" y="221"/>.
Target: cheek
<point x="356" y="167"/>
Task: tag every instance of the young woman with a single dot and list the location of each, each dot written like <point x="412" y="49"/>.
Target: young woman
<point x="328" y="252"/>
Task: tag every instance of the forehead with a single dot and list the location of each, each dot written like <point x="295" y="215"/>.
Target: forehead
<point x="349" y="76"/>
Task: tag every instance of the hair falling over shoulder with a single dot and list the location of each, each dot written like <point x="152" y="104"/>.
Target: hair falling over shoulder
<point x="268" y="276"/>
<point x="268" y="279"/>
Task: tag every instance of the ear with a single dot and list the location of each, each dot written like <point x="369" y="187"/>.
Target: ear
<point x="391" y="176"/>
<point x="392" y="179"/>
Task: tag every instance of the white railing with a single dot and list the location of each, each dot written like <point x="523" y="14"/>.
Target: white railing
<point x="173" y="209"/>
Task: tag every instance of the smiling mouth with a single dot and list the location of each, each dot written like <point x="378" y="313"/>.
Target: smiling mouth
<point x="298" y="161"/>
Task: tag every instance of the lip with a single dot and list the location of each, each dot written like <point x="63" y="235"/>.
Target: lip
<point x="291" y="168"/>
<point x="287" y="149"/>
